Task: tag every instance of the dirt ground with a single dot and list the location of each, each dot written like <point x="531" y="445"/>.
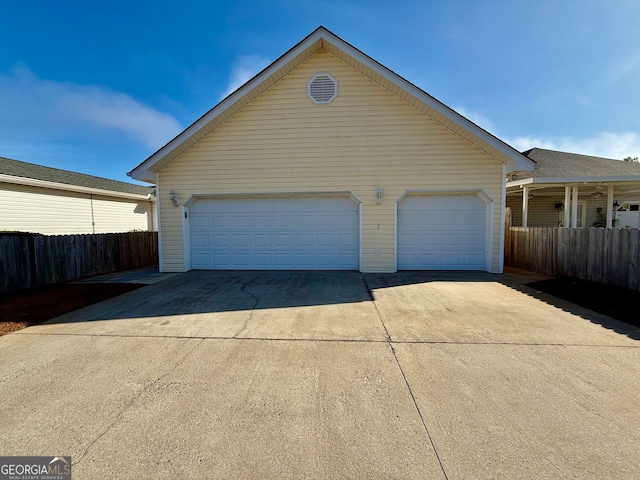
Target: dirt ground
<point x="619" y="303"/>
<point x="19" y="310"/>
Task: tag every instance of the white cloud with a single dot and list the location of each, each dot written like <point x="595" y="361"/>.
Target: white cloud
<point x="476" y="118"/>
<point x="605" y="144"/>
<point x="243" y="70"/>
<point x="45" y="108"/>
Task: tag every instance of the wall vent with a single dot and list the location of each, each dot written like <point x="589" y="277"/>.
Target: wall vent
<point x="322" y="88"/>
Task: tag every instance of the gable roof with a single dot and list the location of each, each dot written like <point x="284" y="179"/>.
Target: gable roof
<point x="322" y="38"/>
<point x="562" y="166"/>
<point x="16" y="171"/>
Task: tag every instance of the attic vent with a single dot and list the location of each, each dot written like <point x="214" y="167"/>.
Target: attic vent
<point x="322" y="88"/>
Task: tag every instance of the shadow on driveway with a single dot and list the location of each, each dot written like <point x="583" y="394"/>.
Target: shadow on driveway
<point x="210" y="292"/>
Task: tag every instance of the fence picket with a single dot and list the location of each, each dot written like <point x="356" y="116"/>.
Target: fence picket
<point x="632" y="281"/>
<point x="601" y="255"/>
<point x="36" y="260"/>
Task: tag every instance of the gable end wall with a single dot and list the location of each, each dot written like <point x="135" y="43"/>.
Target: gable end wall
<point x="365" y="139"/>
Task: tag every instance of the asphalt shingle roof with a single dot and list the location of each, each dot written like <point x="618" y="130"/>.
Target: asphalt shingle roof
<point x="553" y="164"/>
<point x="17" y="168"/>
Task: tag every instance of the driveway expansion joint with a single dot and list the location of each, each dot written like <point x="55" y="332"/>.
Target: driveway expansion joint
<point x="119" y="415"/>
<point x="406" y="381"/>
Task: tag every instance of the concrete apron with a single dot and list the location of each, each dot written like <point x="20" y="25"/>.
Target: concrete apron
<point x="301" y="374"/>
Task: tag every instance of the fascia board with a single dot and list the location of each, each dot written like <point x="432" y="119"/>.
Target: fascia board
<point x="32" y="182"/>
<point x="574" y="180"/>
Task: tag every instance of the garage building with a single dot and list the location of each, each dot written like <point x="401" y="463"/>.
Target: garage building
<point x="328" y="160"/>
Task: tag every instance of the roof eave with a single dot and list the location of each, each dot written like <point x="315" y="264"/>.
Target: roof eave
<point x="32" y="182"/>
<point x="555" y="181"/>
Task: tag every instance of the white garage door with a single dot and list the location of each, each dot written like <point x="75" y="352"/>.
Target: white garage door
<point x="319" y="233"/>
<point x="441" y="232"/>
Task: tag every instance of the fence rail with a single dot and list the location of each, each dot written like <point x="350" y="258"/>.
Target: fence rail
<point x="605" y="255"/>
<point x="28" y="261"/>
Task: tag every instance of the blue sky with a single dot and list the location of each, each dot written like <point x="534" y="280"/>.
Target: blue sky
<point x="97" y="87"/>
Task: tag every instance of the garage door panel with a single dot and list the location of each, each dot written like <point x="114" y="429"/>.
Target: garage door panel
<point x="304" y="240"/>
<point x="475" y="219"/>
<point x="303" y="260"/>
<point x="200" y="221"/>
<point x="261" y="221"/>
<point x="241" y="240"/>
<point x="474" y="261"/>
<point x="242" y="259"/>
<point x="474" y="240"/>
<point x="326" y="259"/>
<point x="214" y="220"/>
<point x="261" y="259"/>
<point x="300" y="233"/>
<point x="441" y="232"/>
<point x="451" y="240"/>
<point x="346" y="239"/>
<point x="452" y="261"/>
<point x="303" y="221"/>
<point x="325" y="240"/>
<point x="200" y="240"/>
<point x="282" y="240"/>
<point x="283" y="221"/>
<point x="453" y="219"/>
<point x="219" y="240"/>
<point x="262" y="240"/>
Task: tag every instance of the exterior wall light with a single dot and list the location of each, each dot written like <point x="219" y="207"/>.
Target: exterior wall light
<point x="379" y="196"/>
<point x="173" y="198"/>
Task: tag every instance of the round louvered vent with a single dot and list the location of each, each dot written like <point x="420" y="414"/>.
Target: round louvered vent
<point x="322" y="88"/>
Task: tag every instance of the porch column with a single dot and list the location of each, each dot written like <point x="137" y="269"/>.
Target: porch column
<point x="525" y="205"/>
<point x="610" y="206"/>
<point x="567" y="206"/>
<point x="574" y="208"/>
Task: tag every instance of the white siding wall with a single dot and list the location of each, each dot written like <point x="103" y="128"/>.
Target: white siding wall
<point x="366" y="139"/>
<point x="58" y="212"/>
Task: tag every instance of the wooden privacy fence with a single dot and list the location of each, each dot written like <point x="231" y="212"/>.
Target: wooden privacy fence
<point x="34" y="260"/>
<point x="605" y="255"/>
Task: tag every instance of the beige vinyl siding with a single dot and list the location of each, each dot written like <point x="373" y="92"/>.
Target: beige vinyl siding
<point x="543" y="213"/>
<point x="592" y="209"/>
<point x="365" y="139"/>
<point x="59" y="212"/>
<point x="114" y="215"/>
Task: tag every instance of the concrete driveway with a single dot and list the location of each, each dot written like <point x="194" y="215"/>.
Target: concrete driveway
<point x="327" y="375"/>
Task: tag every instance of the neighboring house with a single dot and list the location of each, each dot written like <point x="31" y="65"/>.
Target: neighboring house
<point x="50" y="201"/>
<point x="567" y="189"/>
<point x="328" y="160"/>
